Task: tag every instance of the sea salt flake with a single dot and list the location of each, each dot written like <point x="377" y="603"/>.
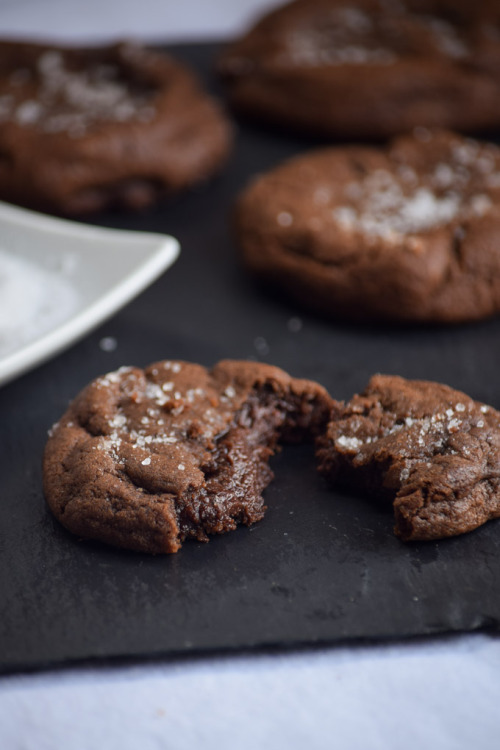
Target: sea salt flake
<point x="146" y="462"/>
<point x="443" y="175"/>
<point x="28" y="112"/>
<point x="108" y="344"/>
<point x="404" y="474"/>
<point x="346" y="217"/>
<point x="447" y="39"/>
<point x="460" y="407"/>
<point x="480" y="204"/>
<point x="154" y="392"/>
<point x="181" y="467"/>
<point x="284" y="219"/>
<point x="350" y="443"/>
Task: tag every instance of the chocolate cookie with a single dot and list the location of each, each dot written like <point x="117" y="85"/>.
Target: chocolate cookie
<point x="145" y="459"/>
<point x="84" y="129"/>
<point x="410" y="232"/>
<point x="373" y="68"/>
<point x="432" y="450"/>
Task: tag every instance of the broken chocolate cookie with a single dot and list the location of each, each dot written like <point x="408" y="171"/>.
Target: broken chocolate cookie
<point x="145" y="459"/>
<point x="432" y="450"/>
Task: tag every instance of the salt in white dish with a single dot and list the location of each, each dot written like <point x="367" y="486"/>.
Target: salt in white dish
<point x="94" y="271"/>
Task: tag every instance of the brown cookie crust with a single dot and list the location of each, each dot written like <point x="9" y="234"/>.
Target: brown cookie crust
<point x="145" y="459"/>
<point x="85" y="129"/>
<point x="370" y="69"/>
<point x="408" y="232"/>
<point x="431" y="449"/>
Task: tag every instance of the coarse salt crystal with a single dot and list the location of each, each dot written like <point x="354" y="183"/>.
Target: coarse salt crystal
<point x="42" y="300"/>
<point x="284" y="219"/>
<point x="350" y="443"/>
<point x="108" y="344"/>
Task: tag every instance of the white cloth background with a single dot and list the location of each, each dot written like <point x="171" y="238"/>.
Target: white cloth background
<point x="441" y="693"/>
<point x="82" y="20"/>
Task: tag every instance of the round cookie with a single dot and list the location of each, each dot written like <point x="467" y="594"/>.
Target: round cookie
<point x="145" y="459"/>
<point x="410" y="232"/>
<point x="432" y="450"/>
<point x="370" y="68"/>
<point x="85" y="129"/>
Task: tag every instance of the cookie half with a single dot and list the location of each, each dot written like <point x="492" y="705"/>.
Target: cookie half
<point x="85" y="129"/>
<point x="370" y="69"/>
<point x="408" y="232"/>
<point x="145" y="459"/>
<point x="432" y="450"/>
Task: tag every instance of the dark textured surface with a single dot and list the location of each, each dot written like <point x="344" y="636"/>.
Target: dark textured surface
<point x="321" y="566"/>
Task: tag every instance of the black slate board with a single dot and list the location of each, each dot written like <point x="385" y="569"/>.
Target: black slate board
<point x="322" y="566"/>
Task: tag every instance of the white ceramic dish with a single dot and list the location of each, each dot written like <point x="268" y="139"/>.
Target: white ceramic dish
<point x="106" y="267"/>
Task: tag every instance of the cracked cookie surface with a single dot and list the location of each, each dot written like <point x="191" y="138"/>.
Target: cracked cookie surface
<point x="408" y="232"/>
<point x="431" y="449"/>
<point x="145" y="459"/>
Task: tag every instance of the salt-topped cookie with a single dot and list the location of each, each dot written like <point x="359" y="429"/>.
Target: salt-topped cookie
<point x="430" y="449"/>
<point x="410" y="232"/>
<point x="145" y="459"/>
<point x="84" y="129"/>
<point x="370" y="68"/>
